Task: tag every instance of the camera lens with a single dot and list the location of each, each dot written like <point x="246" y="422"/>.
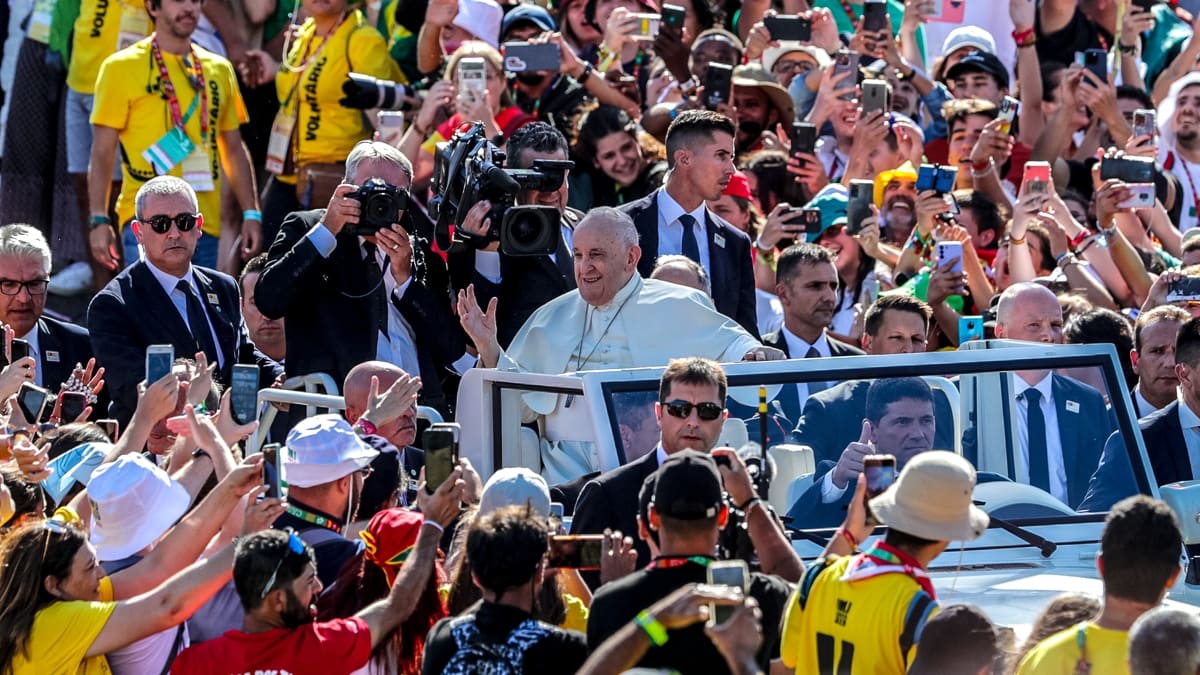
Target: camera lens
<point x="525" y="231"/>
<point x="379" y="209"/>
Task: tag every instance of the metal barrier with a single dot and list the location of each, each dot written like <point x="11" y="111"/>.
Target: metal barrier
<point x="312" y="401"/>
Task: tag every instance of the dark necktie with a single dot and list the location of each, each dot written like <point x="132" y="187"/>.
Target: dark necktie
<point x="377" y="299"/>
<point x="198" y="322"/>
<point x="1039" y="468"/>
<point x="691" y="248"/>
<point x="814" y="387"/>
<point x="564" y="261"/>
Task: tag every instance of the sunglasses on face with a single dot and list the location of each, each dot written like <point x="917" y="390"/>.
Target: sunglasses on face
<point x="295" y="546"/>
<point x="162" y="223"/>
<point x="707" y="411"/>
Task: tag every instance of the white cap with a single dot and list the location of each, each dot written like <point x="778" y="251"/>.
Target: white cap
<point x="969" y="36"/>
<point x="515" y="487"/>
<point x="133" y="504"/>
<point x="322" y="449"/>
<point x="480" y="18"/>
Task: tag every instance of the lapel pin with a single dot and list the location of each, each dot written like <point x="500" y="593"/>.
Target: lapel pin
<point x="52" y="356"/>
<point x="1072" y="407"/>
<point x="213" y="300"/>
<point x="719" y="239"/>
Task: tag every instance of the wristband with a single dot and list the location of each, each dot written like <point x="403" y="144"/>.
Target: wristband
<point x="845" y="534"/>
<point x="97" y="220"/>
<point x="1025" y="38"/>
<point x="434" y="525"/>
<point x="367" y="427"/>
<point x="587" y="72"/>
<point x="745" y="508"/>
<point x="655" y="631"/>
<point x="1127" y="49"/>
<point x="252" y="214"/>
<point x="981" y="166"/>
<point x="1015" y="240"/>
<point x="1058" y="259"/>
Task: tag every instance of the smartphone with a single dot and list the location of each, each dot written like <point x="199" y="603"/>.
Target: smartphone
<point x="111" y="427"/>
<point x="1009" y="107"/>
<point x="874" y="16"/>
<point x="647" y="28"/>
<point x="576" y="551"/>
<point x="970" y="328"/>
<point x="472" y="77"/>
<point x="1141" y="196"/>
<point x="440" y="443"/>
<point x="159" y="360"/>
<point x="20" y="349"/>
<point x="870" y="292"/>
<point x="846" y="61"/>
<point x="673" y="15"/>
<point x="950" y="251"/>
<point x="789" y="28"/>
<point x="244" y="397"/>
<point x="1095" y="60"/>
<point x="718" y="85"/>
<point x="880" y="471"/>
<point x="876" y="95"/>
<point x="952" y="202"/>
<point x="272" y="471"/>
<point x="1145" y="123"/>
<point x="31" y="399"/>
<point x="726" y="573"/>
<point x="73" y="405"/>
<point x="927" y="178"/>
<point x="858" y="208"/>
<point x="804" y="137"/>
<point x="1128" y="169"/>
<point x="946" y="176"/>
<point x="1036" y="178"/>
<point x="389" y="119"/>
<point x="1187" y="288"/>
<point x="557" y="510"/>
<point x="521" y="57"/>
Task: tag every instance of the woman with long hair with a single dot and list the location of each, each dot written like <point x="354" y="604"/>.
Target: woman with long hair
<point x="616" y="162"/>
<point x="390" y="537"/>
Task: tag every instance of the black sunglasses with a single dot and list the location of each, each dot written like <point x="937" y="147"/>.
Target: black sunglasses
<point x="707" y="410"/>
<point x="162" y="223"/>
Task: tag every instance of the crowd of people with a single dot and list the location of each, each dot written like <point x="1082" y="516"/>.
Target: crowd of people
<point x="336" y="192"/>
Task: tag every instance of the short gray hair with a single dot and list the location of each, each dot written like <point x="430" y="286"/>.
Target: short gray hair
<point x="375" y="151"/>
<point x="25" y="241"/>
<point x="163" y="186"/>
<point x="1165" y="641"/>
<point x="688" y="264"/>
<point x="620" y="222"/>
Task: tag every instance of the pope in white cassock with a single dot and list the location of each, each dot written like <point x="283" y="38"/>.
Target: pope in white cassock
<point x="615" y="319"/>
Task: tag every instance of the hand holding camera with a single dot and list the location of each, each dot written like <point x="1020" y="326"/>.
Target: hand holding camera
<point x="994" y="144"/>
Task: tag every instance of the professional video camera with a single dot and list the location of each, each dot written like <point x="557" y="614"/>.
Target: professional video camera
<point x="469" y="168"/>
<point x="364" y="92"/>
<point x="381" y="202"/>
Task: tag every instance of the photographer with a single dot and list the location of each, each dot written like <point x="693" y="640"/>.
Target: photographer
<point x="355" y="285"/>
<point x="521" y="283"/>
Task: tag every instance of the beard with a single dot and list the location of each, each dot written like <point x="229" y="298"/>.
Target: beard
<point x="750" y="131"/>
<point x="1189" y="136"/>
<point x="531" y="78"/>
<point x="296" y="614"/>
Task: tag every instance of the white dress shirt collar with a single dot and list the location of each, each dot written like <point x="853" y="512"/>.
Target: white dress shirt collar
<point x="1187" y="417"/>
<point x="798" y="347"/>
<point x="1044" y="386"/>
<point x="170" y="281"/>
<point x="671" y="210"/>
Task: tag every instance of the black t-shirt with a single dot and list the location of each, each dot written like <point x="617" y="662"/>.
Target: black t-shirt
<point x="1079" y="34"/>
<point x="688" y="650"/>
<point x="560" y="651"/>
<point x="331" y="549"/>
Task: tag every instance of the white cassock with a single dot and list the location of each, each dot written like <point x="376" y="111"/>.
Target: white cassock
<point x="648" y="323"/>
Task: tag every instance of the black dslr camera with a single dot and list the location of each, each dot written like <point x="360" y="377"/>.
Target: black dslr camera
<point x="364" y="92"/>
<point x="467" y="169"/>
<point x="381" y="204"/>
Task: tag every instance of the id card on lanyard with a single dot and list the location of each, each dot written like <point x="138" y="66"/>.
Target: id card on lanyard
<point x="175" y="147"/>
<point x="280" y="142"/>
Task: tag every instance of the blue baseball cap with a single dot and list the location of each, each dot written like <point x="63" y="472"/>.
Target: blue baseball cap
<point x="534" y="14"/>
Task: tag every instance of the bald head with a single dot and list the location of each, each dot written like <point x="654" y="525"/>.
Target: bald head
<point x="357" y="386"/>
<point x="682" y="270"/>
<point x="1029" y="312"/>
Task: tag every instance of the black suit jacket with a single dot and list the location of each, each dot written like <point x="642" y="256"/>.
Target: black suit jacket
<point x="1162" y="433"/>
<point x="1082" y="431"/>
<point x="526" y="283"/>
<point x="133" y="312"/>
<point x="332" y="314"/>
<point x="611" y="500"/>
<point x="732" y="268"/>
<point x="61" y="346"/>
<point x="788" y="400"/>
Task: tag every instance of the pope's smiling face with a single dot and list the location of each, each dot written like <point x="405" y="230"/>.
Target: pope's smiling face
<point x="603" y="262"/>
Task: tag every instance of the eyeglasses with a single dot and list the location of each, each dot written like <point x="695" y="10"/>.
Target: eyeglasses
<point x="798" y="67"/>
<point x="707" y="411"/>
<point x="34" y="286"/>
<point x="296" y="546"/>
<point x="162" y="223"/>
<point x="366" y="471"/>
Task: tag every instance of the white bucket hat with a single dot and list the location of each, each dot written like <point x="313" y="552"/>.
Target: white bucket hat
<point x="932" y="499"/>
<point x="480" y="18"/>
<point x="515" y="487"/>
<point x="133" y="504"/>
<point x="322" y="449"/>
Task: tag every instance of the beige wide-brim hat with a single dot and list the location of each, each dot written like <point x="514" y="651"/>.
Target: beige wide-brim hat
<point x="754" y="75"/>
<point x="932" y="499"/>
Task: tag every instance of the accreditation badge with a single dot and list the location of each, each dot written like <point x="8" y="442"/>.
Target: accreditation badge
<point x="197" y="171"/>
<point x="134" y="26"/>
<point x="280" y="142"/>
<point x="169" y="151"/>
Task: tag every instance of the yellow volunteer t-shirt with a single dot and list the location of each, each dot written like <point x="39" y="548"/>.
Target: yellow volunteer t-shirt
<point x="129" y="98"/>
<point x="1106" y="650"/>
<point x="97" y="36"/>
<point x="856" y="627"/>
<point x="61" y="636"/>
<point x="309" y="85"/>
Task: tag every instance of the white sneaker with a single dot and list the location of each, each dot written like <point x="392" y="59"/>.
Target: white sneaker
<point x="72" y="279"/>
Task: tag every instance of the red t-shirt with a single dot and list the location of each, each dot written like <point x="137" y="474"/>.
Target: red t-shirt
<point x="938" y="151"/>
<point x="338" y="646"/>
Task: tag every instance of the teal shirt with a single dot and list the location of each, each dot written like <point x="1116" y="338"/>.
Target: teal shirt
<point x="1164" y="42"/>
<point x="895" y="13"/>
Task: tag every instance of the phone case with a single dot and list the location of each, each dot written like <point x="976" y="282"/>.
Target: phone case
<point x="718" y="85"/>
<point x="520" y="57"/>
<point x="804" y="137"/>
<point x="926" y="177"/>
<point x="789" y="28"/>
<point x="874" y="16"/>
<point x="846" y="61"/>
<point x="876" y="95"/>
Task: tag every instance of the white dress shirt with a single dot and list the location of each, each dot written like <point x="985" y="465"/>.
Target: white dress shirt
<point x="169" y="283"/>
<point x="398" y="345"/>
<point x="1054" y="460"/>
<point x="797" y="348"/>
<point x="1141" y="406"/>
<point x="487" y="263"/>
<point x="670" y="230"/>
<point x="832" y="159"/>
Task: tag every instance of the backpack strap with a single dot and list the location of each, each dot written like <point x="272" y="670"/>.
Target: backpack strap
<point x="919" y="609"/>
<point x="810" y="577"/>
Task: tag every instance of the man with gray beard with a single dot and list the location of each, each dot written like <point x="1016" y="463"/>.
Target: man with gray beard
<point x="1179" y="146"/>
